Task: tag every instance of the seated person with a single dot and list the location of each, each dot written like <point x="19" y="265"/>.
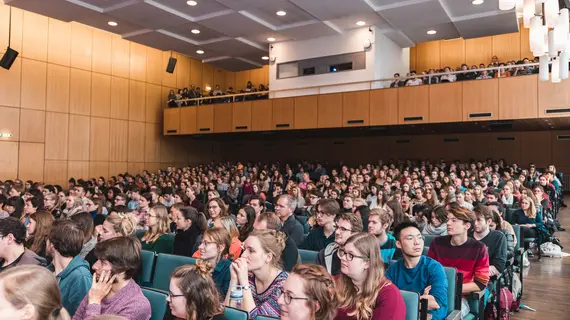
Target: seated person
<point x="436" y="222"/>
<point x="308" y="293"/>
<point x="214" y="249"/>
<point x="528" y="218"/>
<point x="115" y="225"/>
<point x="362" y="289"/>
<point x="418" y="273"/>
<point x="259" y="274"/>
<point x="324" y="233"/>
<point x="378" y="223"/>
<point x="467" y="255"/>
<point x="114" y="292"/>
<point x="190" y="225"/>
<point x="157" y="238"/>
<point x="192" y="292"/>
<point x="270" y="221"/>
<point x="285" y="207"/>
<point x="346" y="225"/>
<point x="12" y="250"/>
<point x="495" y="241"/>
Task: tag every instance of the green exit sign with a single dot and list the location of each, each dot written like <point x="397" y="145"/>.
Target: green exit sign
<point x="5" y="135"/>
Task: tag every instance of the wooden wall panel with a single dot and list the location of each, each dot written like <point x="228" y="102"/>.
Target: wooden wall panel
<point x="57" y="135"/>
<point x="99" y="139"/>
<point x="452" y="53"/>
<point x="262" y="115"/>
<point x="10" y="123"/>
<point x="183" y="72"/>
<point x="256" y="77"/>
<point x="79" y="137"/>
<point x="136" y="141"/>
<point x="59" y="42"/>
<point x="205" y="119"/>
<point x="118" y="150"/>
<point x="222" y="117"/>
<point x="35" y="36"/>
<point x="154" y="66"/>
<point x="119" y="98"/>
<point x="220" y="79"/>
<point x="481" y="97"/>
<point x="34" y="75"/>
<point x="173" y="120"/>
<point x="383" y="107"/>
<point x="525" y="43"/>
<point x="428" y="55"/>
<point x="478" y="50"/>
<point x="536" y="147"/>
<point x="55" y="172"/>
<point x="413" y="102"/>
<point x="138" y="62"/>
<point x="330" y="110"/>
<point x="185" y="123"/>
<point x="82" y="48"/>
<point x="414" y="58"/>
<point x="98" y="169"/>
<point x="552" y="96"/>
<point x="207" y="77"/>
<point x="32" y="125"/>
<point x="116" y="168"/>
<point x="153" y="103"/>
<point x="507" y="47"/>
<point x="31" y="161"/>
<point x="9" y="162"/>
<point x="121" y="56"/>
<point x="57" y="88"/>
<point x="283" y="114"/>
<point x="135" y="166"/>
<point x="137" y="100"/>
<point x="306" y="112"/>
<point x="102" y="51"/>
<point x="242" y="116"/>
<point x="356" y="108"/>
<point x="152" y="166"/>
<point x="10" y="84"/>
<point x="242" y="77"/>
<point x="446" y="102"/>
<point x="80" y="92"/>
<point x="100" y="95"/>
<point x="230" y="80"/>
<point x="560" y="151"/>
<point x="523" y="104"/>
<point x="17" y="25"/>
<point x="78" y="169"/>
<point x="152" y="142"/>
<point x="265" y="75"/>
<point x="195" y="72"/>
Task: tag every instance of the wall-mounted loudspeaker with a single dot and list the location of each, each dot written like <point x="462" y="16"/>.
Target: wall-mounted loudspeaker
<point x="8" y="58"/>
<point x="171" y="65"/>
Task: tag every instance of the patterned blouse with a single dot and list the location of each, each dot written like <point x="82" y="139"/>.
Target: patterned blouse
<point x="266" y="301"/>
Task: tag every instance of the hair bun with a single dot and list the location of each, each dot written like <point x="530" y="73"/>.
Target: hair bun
<point x="203" y="267"/>
<point x="281" y="238"/>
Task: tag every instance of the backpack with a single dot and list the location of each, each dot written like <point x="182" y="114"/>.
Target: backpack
<point x="503" y="312"/>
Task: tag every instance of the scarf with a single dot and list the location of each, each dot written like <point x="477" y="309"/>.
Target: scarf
<point x="436" y="231"/>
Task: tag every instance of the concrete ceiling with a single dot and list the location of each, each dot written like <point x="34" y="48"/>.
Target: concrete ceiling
<point x="233" y="33"/>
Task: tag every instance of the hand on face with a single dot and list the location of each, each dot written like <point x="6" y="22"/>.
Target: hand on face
<point x="241" y="271"/>
<point x="101" y="287"/>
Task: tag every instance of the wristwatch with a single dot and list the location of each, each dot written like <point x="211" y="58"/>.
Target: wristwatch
<point x="247" y="287"/>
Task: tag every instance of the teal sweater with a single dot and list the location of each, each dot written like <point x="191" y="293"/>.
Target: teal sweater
<point x="74" y="283"/>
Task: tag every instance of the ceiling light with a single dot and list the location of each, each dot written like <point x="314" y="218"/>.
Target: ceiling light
<point x="195" y="31"/>
<point x="360" y="23"/>
<point x="191" y="3"/>
<point x="431" y="32"/>
<point x="477" y="2"/>
<point x="200" y="51"/>
<point x="270" y="39"/>
<point x="112" y="23"/>
<point x="281" y="13"/>
<point x="265" y="58"/>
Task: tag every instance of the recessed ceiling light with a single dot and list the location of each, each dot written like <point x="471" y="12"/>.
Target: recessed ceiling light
<point x="195" y="31"/>
<point x="191" y="3"/>
<point x="477" y="2"/>
<point x="270" y="39"/>
<point x="281" y="13"/>
<point x="431" y="32"/>
<point x="112" y="23"/>
<point x="360" y="23"/>
<point x="265" y="58"/>
<point x="200" y="51"/>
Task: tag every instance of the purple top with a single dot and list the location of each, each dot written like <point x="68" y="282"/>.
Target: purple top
<point x="129" y="302"/>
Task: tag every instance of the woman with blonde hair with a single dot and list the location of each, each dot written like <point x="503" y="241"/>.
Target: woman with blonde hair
<point x="157" y="238"/>
<point x="73" y="205"/>
<point x="528" y="218"/>
<point x="216" y="208"/>
<point x="193" y="295"/>
<point x="308" y="293"/>
<point x="115" y="225"/>
<point x="30" y="292"/>
<point x="363" y="290"/>
<point x="38" y="230"/>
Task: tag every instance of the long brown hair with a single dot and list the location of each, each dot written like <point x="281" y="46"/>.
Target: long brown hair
<point x="44" y="221"/>
<point x="163" y="224"/>
<point x="320" y="289"/>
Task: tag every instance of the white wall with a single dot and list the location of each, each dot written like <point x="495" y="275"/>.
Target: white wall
<point x="383" y="59"/>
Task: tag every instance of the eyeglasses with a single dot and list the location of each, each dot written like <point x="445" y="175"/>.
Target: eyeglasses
<point x="172" y="295"/>
<point x="349" y="256"/>
<point x="411" y="238"/>
<point x="205" y="243"/>
<point x="343" y="229"/>
<point x="288" y="298"/>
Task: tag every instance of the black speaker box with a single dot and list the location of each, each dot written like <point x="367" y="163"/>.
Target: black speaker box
<point x="8" y="58"/>
<point x="171" y="65"/>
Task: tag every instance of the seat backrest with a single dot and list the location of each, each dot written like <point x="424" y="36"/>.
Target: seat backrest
<point x="425" y="251"/>
<point x="517" y="230"/>
<point x="428" y="239"/>
<point x="509" y="213"/>
<point x="308" y="256"/>
<point x="165" y="265"/>
<point x="265" y="318"/>
<point x="147" y="258"/>
<point x="451" y="275"/>
<point x="140" y="233"/>
<point x="412" y="301"/>
<point x="235" y="314"/>
<point x="158" y="303"/>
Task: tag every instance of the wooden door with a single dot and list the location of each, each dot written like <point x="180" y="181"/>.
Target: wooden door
<point x="481" y="100"/>
<point x="446" y="102"/>
<point x="383" y="107"/>
<point x="306" y="112"/>
<point x="241" y="116"/>
<point x="356" y="108"/>
<point x="413" y="105"/>
<point x="553" y="99"/>
<point x="171" y="121"/>
<point x="205" y="119"/>
<point x="188" y="120"/>
<point x="283" y="113"/>
<point x="261" y="115"/>
<point x="518" y="97"/>
<point x="223" y="117"/>
<point x="330" y="111"/>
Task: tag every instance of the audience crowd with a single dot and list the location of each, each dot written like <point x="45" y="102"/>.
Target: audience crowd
<point x="74" y="252"/>
<point x="182" y="96"/>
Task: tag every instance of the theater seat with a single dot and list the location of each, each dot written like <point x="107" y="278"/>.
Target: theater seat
<point x="425" y="251"/>
<point x="308" y="256"/>
<point x="158" y="303"/>
<point x="147" y="258"/>
<point x="165" y="265"/>
<point x="428" y="239"/>
<point x="412" y="301"/>
<point x="235" y="314"/>
<point x="453" y="296"/>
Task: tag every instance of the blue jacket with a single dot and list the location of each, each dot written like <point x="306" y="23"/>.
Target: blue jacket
<point x="74" y="283"/>
<point x="427" y="272"/>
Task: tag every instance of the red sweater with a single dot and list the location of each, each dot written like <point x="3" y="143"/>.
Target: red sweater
<point x="389" y="306"/>
<point x="470" y="258"/>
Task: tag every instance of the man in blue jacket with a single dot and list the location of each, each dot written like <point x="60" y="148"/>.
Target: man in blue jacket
<point x="64" y="244"/>
<point x="419" y="273"/>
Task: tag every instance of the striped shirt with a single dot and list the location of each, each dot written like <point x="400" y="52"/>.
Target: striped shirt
<point x="266" y="301"/>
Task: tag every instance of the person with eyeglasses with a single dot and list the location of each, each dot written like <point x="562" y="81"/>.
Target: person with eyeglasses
<point x="308" y="293"/>
<point x="192" y="294"/>
<point x="214" y="249"/>
<point x="418" y="273"/>
<point x="157" y="238"/>
<point x="363" y="291"/>
<point x="347" y="224"/>
<point x="324" y="233"/>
